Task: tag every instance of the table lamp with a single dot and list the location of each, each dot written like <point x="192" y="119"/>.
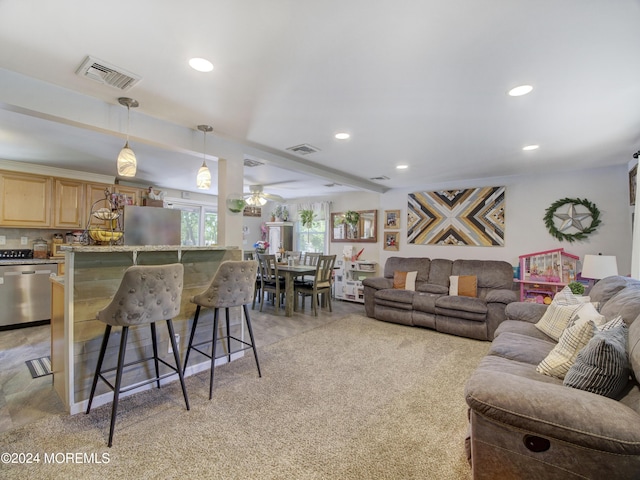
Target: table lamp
<point x="599" y="266"/>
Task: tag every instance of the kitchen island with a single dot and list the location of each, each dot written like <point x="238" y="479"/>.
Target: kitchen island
<point x="92" y="276"/>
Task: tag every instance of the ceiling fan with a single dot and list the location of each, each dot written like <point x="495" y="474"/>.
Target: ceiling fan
<point x="257" y="198"/>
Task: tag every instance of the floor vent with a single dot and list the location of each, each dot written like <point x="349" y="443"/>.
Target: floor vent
<point x="304" y="149"/>
<point x="107" y="74"/>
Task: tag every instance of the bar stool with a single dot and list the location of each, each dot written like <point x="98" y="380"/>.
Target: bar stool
<point x="146" y="295"/>
<point x="233" y="285"/>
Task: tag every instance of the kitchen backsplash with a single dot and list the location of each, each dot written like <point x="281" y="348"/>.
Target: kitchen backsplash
<point x="13" y="237"/>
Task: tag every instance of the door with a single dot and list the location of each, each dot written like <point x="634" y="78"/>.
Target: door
<point x="25" y="200"/>
<point x="68" y="203"/>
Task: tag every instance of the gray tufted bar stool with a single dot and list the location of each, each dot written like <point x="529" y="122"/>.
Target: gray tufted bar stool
<point x="233" y="285"/>
<point x="147" y="294"/>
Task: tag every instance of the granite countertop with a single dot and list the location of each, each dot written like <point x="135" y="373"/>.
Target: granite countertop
<point x="138" y="248"/>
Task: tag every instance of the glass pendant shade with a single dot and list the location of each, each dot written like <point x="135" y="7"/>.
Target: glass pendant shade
<point x="127" y="163"/>
<point x="203" y="179"/>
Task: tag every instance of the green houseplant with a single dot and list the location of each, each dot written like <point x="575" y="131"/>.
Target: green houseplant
<point x="306" y="218"/>
<point x="576" y="287"/>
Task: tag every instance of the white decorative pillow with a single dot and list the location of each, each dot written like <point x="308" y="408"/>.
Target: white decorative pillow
<point x="564" y="354"/>
<point x="463" y="285"/>
<point x="566" y="297"/>
<point x="557" y="318"/>
<point x="410" y="281"/>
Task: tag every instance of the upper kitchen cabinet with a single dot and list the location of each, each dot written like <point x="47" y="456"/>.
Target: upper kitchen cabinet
<point x="26" y="200"/>
<point x="68" y="203"/>
<point x="129" y="195"/>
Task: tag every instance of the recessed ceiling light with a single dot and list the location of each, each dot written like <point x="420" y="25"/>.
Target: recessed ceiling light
<point x="342" y="135"/>
<point x="201" y="64"/>
<point x="402" y="167"/>
<point x="520" y="90"/>
<point x="530" y="147"/>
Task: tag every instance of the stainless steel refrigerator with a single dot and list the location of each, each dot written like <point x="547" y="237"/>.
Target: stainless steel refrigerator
<point x="151" y="226"/>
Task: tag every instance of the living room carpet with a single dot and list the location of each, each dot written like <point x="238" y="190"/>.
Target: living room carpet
<point x="353" y="399"/>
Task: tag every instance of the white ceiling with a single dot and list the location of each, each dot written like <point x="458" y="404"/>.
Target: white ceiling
<point x="421" y="82"/>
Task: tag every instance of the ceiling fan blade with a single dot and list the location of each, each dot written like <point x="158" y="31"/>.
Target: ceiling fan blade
<point x="273" y="198"/>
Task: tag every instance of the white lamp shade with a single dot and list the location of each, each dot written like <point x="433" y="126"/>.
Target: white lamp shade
<point x="203" y="180"/>
<point x="599" y="266"/>
<point x="127" y="163"/>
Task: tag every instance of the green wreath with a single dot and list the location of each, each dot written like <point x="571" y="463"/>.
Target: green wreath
<point x="582" y="232"/>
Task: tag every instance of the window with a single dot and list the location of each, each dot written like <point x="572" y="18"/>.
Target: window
<point x="312" y="240"/>
<point x="199" y="224"/>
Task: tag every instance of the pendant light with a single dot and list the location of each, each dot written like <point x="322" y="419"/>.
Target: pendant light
<point x="127" y="162"/>
<point x="203" y="180"/>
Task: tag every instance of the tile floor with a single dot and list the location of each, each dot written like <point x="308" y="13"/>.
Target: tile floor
<point x="24" y="399"/>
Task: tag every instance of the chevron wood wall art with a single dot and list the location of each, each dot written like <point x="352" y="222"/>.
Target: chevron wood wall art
<point x="473" y="216"/>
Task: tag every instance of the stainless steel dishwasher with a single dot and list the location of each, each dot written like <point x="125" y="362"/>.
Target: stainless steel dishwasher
<point x="25" y="293"/>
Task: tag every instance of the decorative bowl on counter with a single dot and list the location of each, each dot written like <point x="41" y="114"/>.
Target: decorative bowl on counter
<point x="105" y="235"/>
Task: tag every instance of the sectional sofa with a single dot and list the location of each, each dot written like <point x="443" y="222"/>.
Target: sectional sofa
<point x="427" y="300"/>
<point x="527" y="422"/>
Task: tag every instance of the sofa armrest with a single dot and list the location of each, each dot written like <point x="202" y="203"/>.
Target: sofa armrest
<point x="378" y="283"/>
<point x="525" y="311"/>
<point x="555" y="411"/>
<point x="501" y="295"/>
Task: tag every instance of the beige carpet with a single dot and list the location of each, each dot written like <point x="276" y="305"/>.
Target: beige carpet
<point x="354" y="399"/>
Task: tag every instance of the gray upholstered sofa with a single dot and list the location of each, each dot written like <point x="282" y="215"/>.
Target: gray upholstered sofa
<point x="431" y="306"/>
<point x="524" y="424"/>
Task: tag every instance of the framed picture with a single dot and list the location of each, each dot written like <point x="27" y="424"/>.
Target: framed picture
<point x="391" y="241"/>
<point x="250" y="211"/>
<point x="392" y="219"/>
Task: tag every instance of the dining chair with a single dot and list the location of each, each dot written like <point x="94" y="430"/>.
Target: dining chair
<point x="321" y="283"/>
<point x="270" y="281"/>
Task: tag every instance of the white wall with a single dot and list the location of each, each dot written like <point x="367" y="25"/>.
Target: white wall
<point x="527" y="199"/>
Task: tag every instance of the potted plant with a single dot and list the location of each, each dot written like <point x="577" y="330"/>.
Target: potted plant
<point x="576" y="287"/>
<point x="261" y="246"/>
<point x="277" y="213"/>
<point x="352" y="218"/>
<point x="306" y="218"/>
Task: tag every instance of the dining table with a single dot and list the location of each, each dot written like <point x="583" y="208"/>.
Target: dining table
<point x="290" y="272"/>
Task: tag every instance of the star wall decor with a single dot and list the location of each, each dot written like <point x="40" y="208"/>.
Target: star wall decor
<point x="569" y="226"/>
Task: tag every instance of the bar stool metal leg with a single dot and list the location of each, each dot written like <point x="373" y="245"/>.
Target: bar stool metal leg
<point x="103" y="349"/>
<point x="176" y="357"/>
<point x="213" y="351"/>
<point x="154" y="342"/>
<point x="253" y="343"/>
<point x="193" y="332"/>
<point x="116" y="392"/>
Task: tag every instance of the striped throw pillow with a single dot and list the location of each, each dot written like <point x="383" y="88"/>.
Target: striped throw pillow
<point x="602" y="366"/>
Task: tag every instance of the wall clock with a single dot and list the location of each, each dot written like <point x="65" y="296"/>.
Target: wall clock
<point x="572" y="219"/>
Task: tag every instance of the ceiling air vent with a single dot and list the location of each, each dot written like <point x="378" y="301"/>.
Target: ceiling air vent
<point x="252" y="163"/>
<point x="304" y="149"/>
<point x="107" y="74"/>
<point x="381" y="177"/>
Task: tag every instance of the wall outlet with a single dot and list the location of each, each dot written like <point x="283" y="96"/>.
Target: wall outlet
<point x="24" y="240"/>
<point x="177" y="335"/>
<point x="3" y="240"/>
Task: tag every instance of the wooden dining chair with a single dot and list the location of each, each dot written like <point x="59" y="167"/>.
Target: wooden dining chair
<point x="321" y="283"/>
<point x="270" y="281"/>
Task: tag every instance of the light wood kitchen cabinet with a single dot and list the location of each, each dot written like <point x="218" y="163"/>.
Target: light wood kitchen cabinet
<point x="68" y="203"/>
<point x="134" y="194"/>
<point x="26" y="200"/>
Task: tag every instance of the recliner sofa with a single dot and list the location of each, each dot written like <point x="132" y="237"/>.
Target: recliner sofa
<point x="525" y="424"/>
<point x="430" y="305"/>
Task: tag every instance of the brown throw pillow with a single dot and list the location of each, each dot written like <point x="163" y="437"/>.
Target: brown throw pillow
<point x="405" y="280"/>
<point x="463" y="285"/>
<point x="399" y="279"/>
